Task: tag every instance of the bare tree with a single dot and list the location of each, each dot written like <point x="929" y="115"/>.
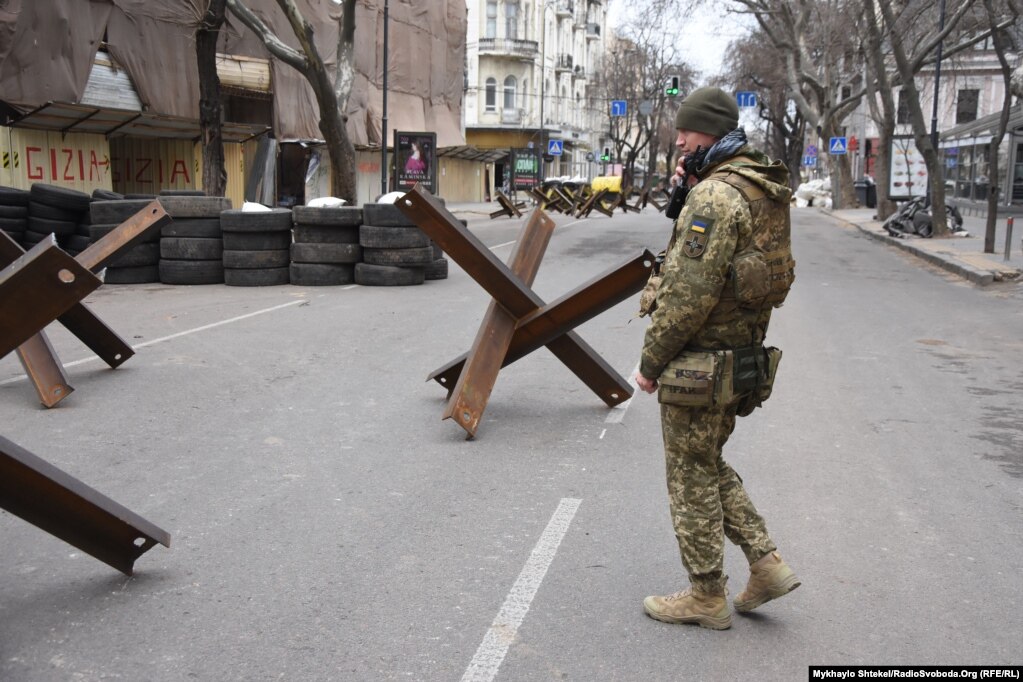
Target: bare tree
<point x="1004" y="42"/>
<point x="211" y="109"/>
<point x="332" y="90"/>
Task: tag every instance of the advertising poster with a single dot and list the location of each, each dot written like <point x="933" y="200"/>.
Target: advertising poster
<point x="909" y="172"/>
<point x="525" y="168"/>
<point x="415" y="160"/>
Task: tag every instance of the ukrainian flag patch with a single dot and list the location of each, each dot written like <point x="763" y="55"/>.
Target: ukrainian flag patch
<point x="697" y="236"/>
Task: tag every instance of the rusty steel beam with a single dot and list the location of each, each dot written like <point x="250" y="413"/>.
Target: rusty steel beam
<point x="484" y="361"/>
<point x="546" y="324"/>
<point x="36" y="289"/>
<point x="63" y="506"/>
<point x="133" y="230"/>
<point x="101" y="339"/>
<point x="43" y="370"/>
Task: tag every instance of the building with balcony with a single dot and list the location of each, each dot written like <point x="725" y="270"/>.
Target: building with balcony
<point x="532" y="71"/>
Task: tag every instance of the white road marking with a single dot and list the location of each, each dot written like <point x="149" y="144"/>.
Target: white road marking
<point x="502" y="245"/>
<point x="492" y="650"/>
<point x="602" y="434"/>
<point x="172" y="336"/>
<point x="617" y="413"/>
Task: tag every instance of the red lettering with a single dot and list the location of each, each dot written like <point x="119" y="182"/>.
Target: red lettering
<point x="35" y="172"/>
<point x="180" y="164"/>
<point x="145" y="163"/>
<point x="53" y="165"/>
<point x="93" y="166"/>
<point x="81" y="165"/>
<point x="70" y="153"/>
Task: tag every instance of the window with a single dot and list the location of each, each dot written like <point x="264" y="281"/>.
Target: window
<point x="511" y="20"/>
<point x="491" y="91"/>
<point x="902" y="111"/>
<point x="490" y="31"/>
<point x="509" y="92"/>
<point x="966" y="106"/>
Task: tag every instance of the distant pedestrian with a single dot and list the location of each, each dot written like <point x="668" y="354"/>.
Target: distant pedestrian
<point x="728" y="265"/>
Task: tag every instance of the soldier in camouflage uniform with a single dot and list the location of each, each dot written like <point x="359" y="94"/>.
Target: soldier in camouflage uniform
<point x="728" y="264"/>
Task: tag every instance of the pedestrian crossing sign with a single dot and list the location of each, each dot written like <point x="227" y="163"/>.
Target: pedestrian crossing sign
<point x="838" y="146"/>
<point x="554" y="147"/>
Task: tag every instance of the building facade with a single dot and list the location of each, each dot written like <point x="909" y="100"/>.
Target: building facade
<point x="533" y="82"/>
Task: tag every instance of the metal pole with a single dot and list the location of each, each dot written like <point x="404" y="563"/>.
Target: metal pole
<point x="937" y="84"/>
<point x="1008" y="237"/>
<point x="383" y="118"/>
<point x="543" y="81"/>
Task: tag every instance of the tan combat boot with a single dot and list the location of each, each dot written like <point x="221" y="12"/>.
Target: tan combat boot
<point x="770" y="577"/>
<point x="689" y="606"/>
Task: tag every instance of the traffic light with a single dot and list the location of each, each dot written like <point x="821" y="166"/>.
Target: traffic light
<point x="672" y="89"/>
<point x="606" y="156"/>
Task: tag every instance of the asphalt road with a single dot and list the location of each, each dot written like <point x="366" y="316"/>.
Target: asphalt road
<point x="327" y="525"/>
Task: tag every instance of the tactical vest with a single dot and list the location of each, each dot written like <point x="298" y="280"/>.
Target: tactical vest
<point x="762" y="269"/>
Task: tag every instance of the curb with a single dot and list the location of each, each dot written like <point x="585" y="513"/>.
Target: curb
<point x="948" y="263"/>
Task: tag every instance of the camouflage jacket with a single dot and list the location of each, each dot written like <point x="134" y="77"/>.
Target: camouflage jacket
<point x="694" y="307"/>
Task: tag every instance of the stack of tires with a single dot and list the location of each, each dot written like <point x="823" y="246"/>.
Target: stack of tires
<point x="326" y="249"/>
<point x="137" y="265"/>
<point x="257" y="247"/>
<point x="54" y="210"/>
<point x="395" y="252"/>
<point x="192" y="246"/>
<point x="14" y="212"/>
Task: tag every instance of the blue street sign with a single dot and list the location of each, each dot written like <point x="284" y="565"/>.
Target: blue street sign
<point x="837" y="146"/>
<point x="746" y="99"/>
<point x="809" y="161"/>
<point x="811" y="150"/>
<point x="554" y="147"/>
<point x="618" y="107"/>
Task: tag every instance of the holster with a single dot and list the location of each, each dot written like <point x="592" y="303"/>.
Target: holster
<point x="741" y="377"/>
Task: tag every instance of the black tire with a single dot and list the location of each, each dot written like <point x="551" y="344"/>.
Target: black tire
<point x="339" y="215"/>
<point x="380" y="237"/>
<point x="257" y="241"/>
<point x="105" y="195"/>
<point x="182" y="193"/>
<point x="138" y="256"/>
<point x="53" y="212"/>
<point x="371" y="275"/>
<point x="13" y="211"/>
<point x="325" y="253"/>
<point x="195" y="207"/>
<point x="191" y="271"/>
<point x="30" y="238"/>
<point x="139" y="197"/>
<point x="115" y="211"/>
<point x="18" y="237"/>
<point x="191" y="248"/>
<point x="326" y="234"/>
<point x="206" y="228"/>
<point x="257" y="259"/>
<point x="142" y="274"/>
<point x="61" y="228"/>
<point x="77" y="243"/>
<point x="14" y="224"/>
<point x="98" y="231"/>
<point x="437" y="251"/>
<point x="322" y="274"/>
<point x="274" y="220"/>
<point x="61" y="197"/>
<point x="385" y="215"/>
<point x="418" y="257"/>
<point x="438" y="269"/>
<point x="256" y="277"/>
<point x="12" y="196"/>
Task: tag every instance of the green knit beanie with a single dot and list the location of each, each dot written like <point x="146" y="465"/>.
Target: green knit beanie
<point x="708" y="110"/>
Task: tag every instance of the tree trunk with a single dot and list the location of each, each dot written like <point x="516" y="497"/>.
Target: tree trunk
<point x="1002" y="46"/>
<point x="214" y="174"/>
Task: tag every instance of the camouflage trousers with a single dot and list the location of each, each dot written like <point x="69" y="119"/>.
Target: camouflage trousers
<point x="707" y="499"/>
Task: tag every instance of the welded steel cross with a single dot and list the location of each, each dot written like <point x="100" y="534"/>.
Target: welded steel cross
<point x="46" y="285"/>
<point x="518" y="321"/>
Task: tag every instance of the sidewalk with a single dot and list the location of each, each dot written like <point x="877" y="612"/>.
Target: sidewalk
<point x="963" y="256"/>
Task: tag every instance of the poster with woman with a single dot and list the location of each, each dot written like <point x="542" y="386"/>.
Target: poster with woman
<point x="415" y="160"/>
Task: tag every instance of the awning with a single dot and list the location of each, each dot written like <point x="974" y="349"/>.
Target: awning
<point x="472" y="153"/>
<point x="981" y="130"/>
<point x="83" y="118"/>
<point x="243" y="73"/>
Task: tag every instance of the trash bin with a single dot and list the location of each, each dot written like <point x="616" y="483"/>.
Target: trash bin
<point x="866" y="193"/>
